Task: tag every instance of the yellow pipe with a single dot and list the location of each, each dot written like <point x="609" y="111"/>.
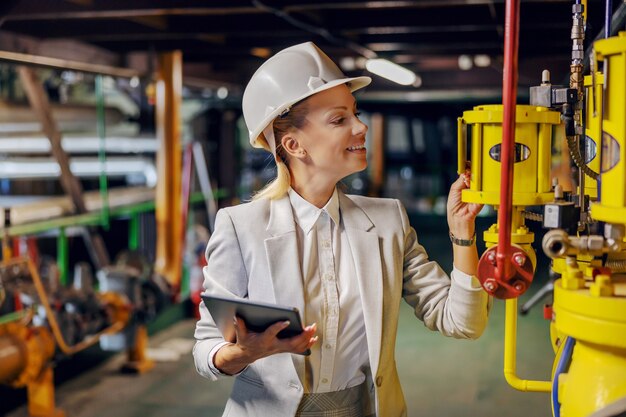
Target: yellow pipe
<point x="461" y="145"/>
<point x="510" y="353"/>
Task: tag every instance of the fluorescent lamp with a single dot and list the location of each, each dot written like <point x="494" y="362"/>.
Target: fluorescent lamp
<point x="391" y="71"/>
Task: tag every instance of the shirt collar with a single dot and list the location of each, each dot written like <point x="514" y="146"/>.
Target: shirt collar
<point x="306" y="214"/>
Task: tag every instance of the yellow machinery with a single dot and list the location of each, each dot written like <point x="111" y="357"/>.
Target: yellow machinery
<point x="531" y="181"/>
<point x="592" y="310"/>
<point x="72" y="321"/>
<point x="588" y="328"/>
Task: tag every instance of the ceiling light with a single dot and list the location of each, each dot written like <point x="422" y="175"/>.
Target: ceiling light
<point x="347" y="63"/>
<point x="482" y="60"/>
<point x="465" y="62"/>
<point x="222" y="92"/>
<point x="418" y="81"/>
<point x="391" y="71"/>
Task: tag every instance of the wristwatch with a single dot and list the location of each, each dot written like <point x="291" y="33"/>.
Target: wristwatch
<point x="462" y="242"/>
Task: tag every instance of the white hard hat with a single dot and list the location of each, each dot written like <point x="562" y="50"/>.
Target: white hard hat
<point x="288" y="77"/>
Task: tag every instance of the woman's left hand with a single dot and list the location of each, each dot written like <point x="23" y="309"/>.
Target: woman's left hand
<point x="461" y="215"/>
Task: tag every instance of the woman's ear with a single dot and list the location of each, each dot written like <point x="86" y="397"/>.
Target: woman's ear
<point x="292" y="146"/>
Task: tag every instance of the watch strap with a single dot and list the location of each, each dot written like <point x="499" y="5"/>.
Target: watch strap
<point x="462" y="242"/>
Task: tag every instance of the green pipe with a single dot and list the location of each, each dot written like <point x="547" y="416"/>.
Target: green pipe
<point x="11" y="317"/>
<point x="133" y="231"/>
<point x="62" y="256"/>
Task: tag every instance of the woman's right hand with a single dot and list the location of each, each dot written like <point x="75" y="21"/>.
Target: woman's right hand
<point x="251" y="346"/>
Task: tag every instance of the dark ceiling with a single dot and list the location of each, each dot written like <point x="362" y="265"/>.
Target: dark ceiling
<point x="226" y="40"/>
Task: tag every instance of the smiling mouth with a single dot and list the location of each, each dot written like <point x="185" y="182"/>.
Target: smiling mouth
<point x="356" y="147"/>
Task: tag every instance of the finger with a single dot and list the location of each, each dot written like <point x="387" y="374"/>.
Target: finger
<point x="312" y="341"/>
<point x="466" y="176"/>
<point x="240" y="328"/>
<point x="459" y="184"/>
<point x="299" y="344"/>
<point x="276" y="328"/>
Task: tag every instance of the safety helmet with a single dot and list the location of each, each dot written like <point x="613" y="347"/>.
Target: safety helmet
<point x="286" y="78"/>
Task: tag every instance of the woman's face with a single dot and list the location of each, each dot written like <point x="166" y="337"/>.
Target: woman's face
<point x="333" y="137"/>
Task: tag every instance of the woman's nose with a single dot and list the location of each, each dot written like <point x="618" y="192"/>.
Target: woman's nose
<point x="359" y="128"/>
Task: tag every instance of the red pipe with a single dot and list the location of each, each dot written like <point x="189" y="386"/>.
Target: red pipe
<point x="509" y="97"/>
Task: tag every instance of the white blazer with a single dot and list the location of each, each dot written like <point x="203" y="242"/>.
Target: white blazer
<point x="253" y="254"/>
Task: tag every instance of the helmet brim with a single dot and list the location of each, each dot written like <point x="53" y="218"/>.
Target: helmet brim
<point x="356" y="83"/>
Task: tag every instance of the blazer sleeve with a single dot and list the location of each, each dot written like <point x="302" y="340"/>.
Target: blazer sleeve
<point x="443" y="304"/>
<point x="225" y="275"/>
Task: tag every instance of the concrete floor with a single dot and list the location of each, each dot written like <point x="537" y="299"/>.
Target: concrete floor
<point x="440" y="376"/>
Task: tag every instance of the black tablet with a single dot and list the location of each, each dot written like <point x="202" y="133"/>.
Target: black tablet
<point x="257" y="316"/>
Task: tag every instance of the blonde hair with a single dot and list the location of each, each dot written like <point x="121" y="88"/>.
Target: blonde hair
<point x="295" y="118"/>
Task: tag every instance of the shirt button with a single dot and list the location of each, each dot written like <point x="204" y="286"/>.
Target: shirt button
<point x="328" y="346"/>
<point x="379" y="381"/>
<point x="324" y="381"/>
<point x="326" y="244"/>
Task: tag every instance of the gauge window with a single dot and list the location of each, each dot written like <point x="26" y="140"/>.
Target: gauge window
<point x="522" y="152"/>
<point x="591" y="149"/>
<point x="610" y="152"/>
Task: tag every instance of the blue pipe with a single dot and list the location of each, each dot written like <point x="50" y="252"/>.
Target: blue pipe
<point x="560" y="368"/>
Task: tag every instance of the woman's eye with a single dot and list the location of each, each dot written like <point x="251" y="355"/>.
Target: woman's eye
<point x="338" y="121"/>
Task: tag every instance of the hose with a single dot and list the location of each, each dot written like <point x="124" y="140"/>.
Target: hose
<point x="535" y="217"/>
<point x="616" y="265"/>
<point x="54" y="326"/>
<point x="560" y="368"/>
<point x="574" y="152"/>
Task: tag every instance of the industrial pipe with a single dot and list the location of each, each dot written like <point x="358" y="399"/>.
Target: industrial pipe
<point x="509" y="96"/>
<point x="510" y="353"/>
<point x="13" y="354"/>
<point x="117" y="326"/>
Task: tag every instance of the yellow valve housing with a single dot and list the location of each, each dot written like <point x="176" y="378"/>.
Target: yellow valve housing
<point x="612" y="204"/>
<point x="533" y="137"/>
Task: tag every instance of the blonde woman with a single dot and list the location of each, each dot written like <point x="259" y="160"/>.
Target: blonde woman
<point x="344" y="261"/>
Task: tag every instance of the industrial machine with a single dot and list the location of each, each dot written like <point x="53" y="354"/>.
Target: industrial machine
<point x="511" y="169"/>
<point x="43" y="321"/>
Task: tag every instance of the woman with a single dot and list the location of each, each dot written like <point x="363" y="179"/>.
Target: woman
<point x="344" y="261"/>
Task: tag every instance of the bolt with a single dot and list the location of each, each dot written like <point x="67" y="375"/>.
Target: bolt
<point x="519" y="259"/>
<point x="519" y="286"/>
<point x="490" y="285"/>
<point x="491" y="257"/>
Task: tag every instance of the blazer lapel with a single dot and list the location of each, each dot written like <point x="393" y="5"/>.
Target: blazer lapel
<point x="284" y="263"/>
<point x="366" y="253"/>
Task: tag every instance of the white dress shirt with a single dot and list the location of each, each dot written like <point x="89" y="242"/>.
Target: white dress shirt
<point x="332" y="297"/>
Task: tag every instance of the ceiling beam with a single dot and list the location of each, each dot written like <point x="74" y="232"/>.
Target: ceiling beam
<point x="42" y="61"/>
<point x="109" y="12"/>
